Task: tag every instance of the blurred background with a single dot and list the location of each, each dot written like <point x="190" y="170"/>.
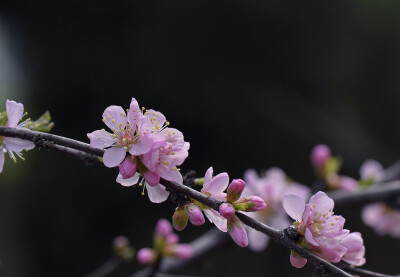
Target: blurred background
<point x="251" y="84"/>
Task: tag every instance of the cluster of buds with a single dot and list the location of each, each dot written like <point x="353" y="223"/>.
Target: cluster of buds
<point x="166" y="244"/>
<point x="225" y="219"/>
<point x="143" y="146"/>
<point x="321" y="231"/>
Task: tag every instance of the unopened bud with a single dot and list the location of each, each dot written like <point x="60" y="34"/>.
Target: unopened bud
<point x="226" y="210"/>
<point x="180" y="219"/>
<point x="128" y="167"/>
<point x="237" y="231"/>
<point x="196" y="216"/>
<point x="172" y="238"/>
<point x="163" y="228"/>
<point x="146" y="256"/>
<point x="250" y="204"/>
<point x="320" y="155"/>
<point x="235" y="190"/>
<point x="183" y="251"/>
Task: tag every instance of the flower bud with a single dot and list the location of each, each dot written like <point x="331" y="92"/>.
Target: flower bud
<point x="196" y="216"/>
<point x="237" y="231"/>
<point x="226" y="210"/>
<point x="163" y="228"/>
<point x="320" y="155"/>
<point x="128" y="167"/>
<point x="250" y="204"/>
<point x="146" y="256"/>
<point x="180" y="218"/>
<point x="172" y="238"/>
<point x="122" y="248"/>
<point x="235" y="190"/>
<point x="183" y="251"/>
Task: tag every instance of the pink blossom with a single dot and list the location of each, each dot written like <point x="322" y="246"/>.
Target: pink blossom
<point x="146" y="256"/>
<point x="336" y="181"/>
<point x="355" y="249"/>
<point x="271" y="187"/>
<point x="322" y="231"/>
<point x="14" y="146"/>
<point x="372" y="170"/>
<point x="382" y="218"/>
<point x="154" y="149"/>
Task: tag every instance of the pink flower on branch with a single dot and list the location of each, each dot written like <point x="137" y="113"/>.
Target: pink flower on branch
<point x="13" y="146"/>
<point x="154" y="150"/>
<point x="321" y="230"/>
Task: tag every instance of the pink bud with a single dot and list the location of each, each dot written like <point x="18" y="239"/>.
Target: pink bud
<point x="151" y="178"/>
<point x="372" y="169"/>
<point x="146" y="256"/>
<point x="163" y="228"/>
<point x="235" y="190"/>
<point x="256" y="204"/>
<point x="180" y="218"/>
<point x="320" y="155"/>
<point x="196" y="217"/>
<point x="128" y="167"/>
<point x="183" y="251"/>
<point x="172" y="238"/>
<point x="226" y="210"/>
<point x="237" y="231"/>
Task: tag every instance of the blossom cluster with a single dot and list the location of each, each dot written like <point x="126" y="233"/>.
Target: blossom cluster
<point x="166" y="244"/>
<point x="322" y="231"/>
<point x="143" y="146"/>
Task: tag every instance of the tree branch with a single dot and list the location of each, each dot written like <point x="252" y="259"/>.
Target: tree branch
<point x="277" y="235"/>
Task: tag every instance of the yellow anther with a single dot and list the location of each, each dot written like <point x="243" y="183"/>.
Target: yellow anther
<point x="104" y="120"/>
<point x="120" y="124"/>
<point x="99" y="137"/>
<point x="113" y="121"/>
<point x="103" y="130"/>
<point x="108" y="117"/>
<point x="333" y="224"/>
<point x="313" y="205"/>
<point x="336" y="218"/>
<point x="105" y="144"/>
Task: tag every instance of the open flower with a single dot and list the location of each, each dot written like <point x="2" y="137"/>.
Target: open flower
<point x="321" y="230"/>
<point x="154" y="150"/>
<point x="355" y="249"/>
<point x="14" y="146"/>
<point x="270" y="187"/>
<point x="383" y="219"/>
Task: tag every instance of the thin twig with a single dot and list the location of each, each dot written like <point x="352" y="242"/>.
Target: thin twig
<point x="364" y="272"/>
<point x="106" y="268"/>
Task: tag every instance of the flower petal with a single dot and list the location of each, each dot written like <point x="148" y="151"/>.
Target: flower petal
<point x="17" y="145"/>
<point x="218" y="184"/>
<point x="309" y="238"/>
<point x="100" y="139"/>
<point x="151" y="178"/>
<point x="257" y="241"/>
<point x="113" y="116"/>
<point x="294" y="206"/>
<point x="297" y="261"/>
<point x="113" y="156"/>
<point x="15" y="112"/>
<point x="323" y="204"/>
<point x="1" y="158"/>
<point x="157" y="194"/>
<point x="208" y="177"/>
<point x="170" y="174"/>
<point x="217" y="219"/>
<point x="128" y="182"/>
<point x="134" y="113"/>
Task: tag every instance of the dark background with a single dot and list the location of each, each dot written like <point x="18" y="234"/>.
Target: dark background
<point x="249" y="83"/>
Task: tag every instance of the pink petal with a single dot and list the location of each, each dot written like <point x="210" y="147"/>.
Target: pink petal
<point x="207" y="177"/>
<point x="151" y="178"/>
<point x="239" y="235"/>
<point x="170" y="175"/>
<point x="294" y="206"/>
<point x="218" y="184"/>
<point x="157" y="194"/>
<point x="134" y="113"/>
<point x="310" y="238"/>
<point x="15" y="112"/>
<point x="100" y="139"/>
<point x="297" y="260"/>
<point x="113" y="156"/>
<point x="128" y="182"/>
<point x="323" y="204"/>
<point x="143" y="145"/>
<point x="17" y="145"/>
<point x="217" y="219"/>
<point x="372" y="169"/>
<point x="1" y="158"/>
<point x="113" y="116"/>
<point x="250" y="176"/>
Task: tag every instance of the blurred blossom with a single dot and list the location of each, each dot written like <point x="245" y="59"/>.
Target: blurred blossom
<point x="383" y="219"/>
<point x="271" y="187"/>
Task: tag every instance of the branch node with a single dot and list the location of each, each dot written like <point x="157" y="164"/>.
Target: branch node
<point x="292" y="233"/>
<point x="321" y="271"/>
